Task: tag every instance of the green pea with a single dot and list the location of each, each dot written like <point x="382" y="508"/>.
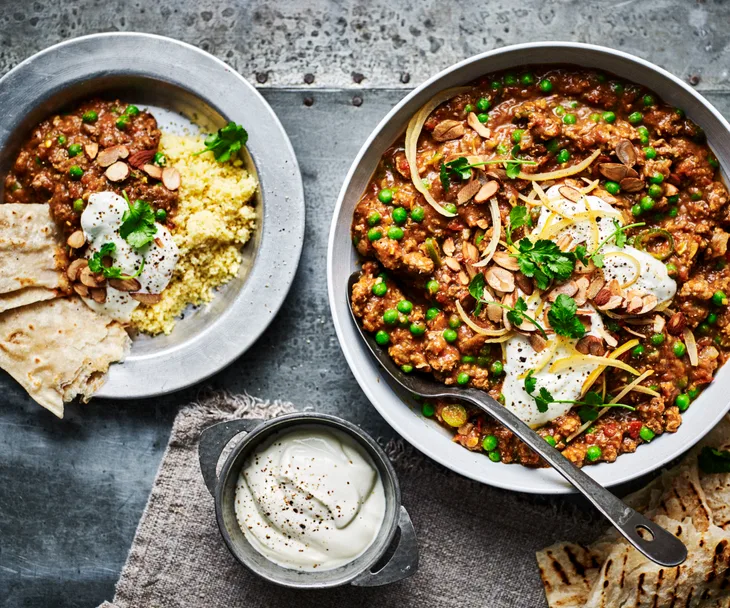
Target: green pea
<point x="380" y="289"/>
<point x="490" y="443"/>
<point x="636" y="210"/>
<point x="90" y="116"/>
<point x="497" y="368"/>
<point x="454" y="322"/>
<point x="696" y="196"/>
<point x="635" y="118"/>
<point x="468" y="359"/>
<point x="400" y="215"/>
<point x="674" y="212"/>
<point x="483" y="361"/>
<point x="612" y="187"/>
<point x="502" y="149"/>
<point x="500" y="398"/>
<point x="595" y="117"/>
<point x="671" y="268"/>
<point x="482" y="117"/>
<point x="483" y="104"/>
<point x="552" y="146"/>
<point x="527" y="79"/>
<point x="646" y="433"/>
<point x="468" y="108"/>
<point x="712" y="318"/>
<point x="551" y="440"/>
<point x="609" y="117"/>
<point x="74" y="150"/>
<point x="569" y="119"/>
<point x="719" y="298"/>
<point x="693" y="393"/>
<point x="714" y="163"/>
<point x="563" y="156"/>
<point x="673" y="200"/>
<point x="405" y="307"/>
<point x="159" y="159"/>
<point x="450" y="335"/>
<point x="495" y="85"/>
<point x="573" y="104"/>
<point x="647" y="203"/>
<point x="545" y="85"/>
<point x="122" y="122"/>
<point x="373" y="218"/>
<point x="657" y="178"/>
<point x="637" y="351"/>
<point x="655" y="191"/>
<point x="494" y="456"/>
<point x="717" y="340"/>
<point x="463" y="378"/>
<point x="61" y="139"/>
<point x="432" y="286"/>
<point x="682" y="382"/>
<point x="593" y="453"/>
<point x="375" y="234"/>
<point x="451" y="208"/>
<point x="617" y="88"/>
<point x="75" y="172"/>
<point x="385" y="196"/>
<point x="657" y="339"/>
<point x="510" y="79"/>
<point x="703" y="328"/>
<point x="432" y="313"/>
<point x="390" y="316"/>
<point x="417" y="329"/>
<point x="428" y="410"/>
<point x="131" y="110"/>
<point x="649" y="153"/>
<point x="679" y="112"/>
<point x="648" y="100"/>
<point x="161" y="215"/>
<point x="517" y="135"/>
<point x="679" y="349"/>
<point x="79" y="205"/>
<point x="559" y="110"/>
<point x="382" y="337"/>
<point x="643" y="134"/>
<point x="406" y="368"/>
<point x="417" y="214"/>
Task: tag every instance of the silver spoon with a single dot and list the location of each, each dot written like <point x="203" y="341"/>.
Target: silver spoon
<point x="659" y="545"/>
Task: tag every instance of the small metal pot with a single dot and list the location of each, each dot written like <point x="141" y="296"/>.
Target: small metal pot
<point x="366" y="570"/>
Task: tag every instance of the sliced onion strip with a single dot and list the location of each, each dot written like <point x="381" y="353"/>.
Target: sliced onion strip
<point x="496" y="233"/>
<point x="476" y="328"/>
<point x="561" y="173"/>
<point x="691" y="344"/>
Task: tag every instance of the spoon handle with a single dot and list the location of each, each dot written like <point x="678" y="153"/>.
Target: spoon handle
<point x="655" y="543"/>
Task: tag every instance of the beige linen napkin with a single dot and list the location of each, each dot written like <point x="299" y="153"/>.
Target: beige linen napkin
<point x="477" y="544"/>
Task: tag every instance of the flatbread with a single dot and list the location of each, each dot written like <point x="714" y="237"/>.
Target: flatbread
<point x="60" y="349"/>
<point x="693" y="505"/>
<point x="32" y="257"/>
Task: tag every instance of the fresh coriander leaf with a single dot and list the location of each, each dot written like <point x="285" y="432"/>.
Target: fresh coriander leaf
<point x="516" y="315"/>
<point x="593" y="398"/>
<point x="587" y="413"/>
<point x="563" y="319"/>
<point x="476" y="290"/>
<point x="138" y="224"/>
<point x="714" y="461"/>
<point x="530" y="382"/>
<point x="96" y="264"/>
<point x="519" y="216"/>
<point x="512" y="169"/>
<point x="225" y="142"/>
<point x="543" y="399"/>
<point x="544" y="261"/>
<point x="597" y="260"/>
<point x="620" y="234"/>
<point x="444" y="175"/>
<point x="581" y="253"/>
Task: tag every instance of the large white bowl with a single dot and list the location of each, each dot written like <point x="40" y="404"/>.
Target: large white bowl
<point x="399" y="409"/>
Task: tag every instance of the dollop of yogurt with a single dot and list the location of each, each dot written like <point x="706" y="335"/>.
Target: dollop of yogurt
<point x="310" y="499"/>
<point x="521" y="357"/>
<point x="100" y="221"/>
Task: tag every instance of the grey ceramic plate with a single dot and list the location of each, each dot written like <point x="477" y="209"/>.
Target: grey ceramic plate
<point x="398" y="408"/>
<point x="184" y="87"/>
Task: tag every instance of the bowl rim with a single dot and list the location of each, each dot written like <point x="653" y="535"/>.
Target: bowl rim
<point x="288" y="422"/>
<point x="225" y="336"/>
<point x="358" y="360"/>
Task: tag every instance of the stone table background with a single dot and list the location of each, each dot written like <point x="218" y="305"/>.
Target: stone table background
<point x="72" y="491"/>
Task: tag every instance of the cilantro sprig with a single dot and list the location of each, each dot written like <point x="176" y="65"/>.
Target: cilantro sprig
<point x="544" y="261"/>
<point x="225" y="142"/>
<point x="460" y="169"/>
<point x="519" y="216"/>
<point x="96" y="264"/>
<point x="619" y="234"/>
<point x="563" y="318"/>
<point x="138" y="223"/>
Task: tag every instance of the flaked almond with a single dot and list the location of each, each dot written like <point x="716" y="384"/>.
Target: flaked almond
<point x="634" y="305"/>
<point x="537" y="342"/>
<point x="659" y="324"/>
<point x="569" y="288"/>
<point x="141" y="158"/>
<point x="469" y="251"/>
<point x="448" y="246"/>
<point x="125" y="284"/>
<point x="153" y="171"/>
<point x="483" y="224"/>
<point x="570" y="193"/>
<point x="108" y="156"/>
<point x="631" y="184"/>
<point x="76" y="240"/>
<point x="613" y="171"/>
<point x="614" y="287"/>
<point x="91" y="150"/>
<point x="626" y="152"/>
<point x="448" y="129"/>
<point x="509" y="300"/>
<point x="453" y="264"/>
<point x="74" y="269"/>
<point x="582" y="296"/>
<point x="468" y="191"/>
<point x="81" y="290"/>
<point x="88" y="278"/>
<point x="500" y="279"/>
<point x="171" y="178"/>
<point x="591" y="345"/>
<point x="487" y="191"/>
<point x="494" y="313"/>
<point x="676" y="324"/>
<point x="564" y="242"/>
<point x="602" y="296"/>
<point x="117" y="172"/>
<point x="473" y="121"/>
<point x="148" y="299"/>
<point x="98" y="294"/>
<point x="596" y="285"/>
<point x="650" y="302"/>
<point x="612" y="303"/>
<point x="463" y="278"/>
<point x="505" y="260"/>
<point x="524" y="283"/>
<point x="670" y="190"/>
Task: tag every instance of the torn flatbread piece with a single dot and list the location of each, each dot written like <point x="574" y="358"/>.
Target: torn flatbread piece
<point x="32" y="256"/>
<point x="60" y="349"/>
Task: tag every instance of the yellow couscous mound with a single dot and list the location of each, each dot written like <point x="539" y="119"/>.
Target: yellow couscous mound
<point x="213" y="221"/>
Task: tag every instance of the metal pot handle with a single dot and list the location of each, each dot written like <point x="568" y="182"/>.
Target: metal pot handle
<point x="402" y="564"/>
<point x="212" y="442"/>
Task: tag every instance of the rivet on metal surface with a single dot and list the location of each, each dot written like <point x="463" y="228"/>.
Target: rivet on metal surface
<point x="357" y="101"/>
<point x="308" y="101"/>
<point x="309" y="78"/>
<point x="357" y="77"/>
<point x="405" y="77"/>
<point x="262" y="77"/>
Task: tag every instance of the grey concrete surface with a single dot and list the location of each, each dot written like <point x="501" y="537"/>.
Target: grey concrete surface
<point x="72" y="491"/>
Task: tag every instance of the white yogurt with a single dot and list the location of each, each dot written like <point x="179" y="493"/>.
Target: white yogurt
<point x="520" y="356"/>
<point x="310" y="500"/>
<point x="100" y="222"/>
